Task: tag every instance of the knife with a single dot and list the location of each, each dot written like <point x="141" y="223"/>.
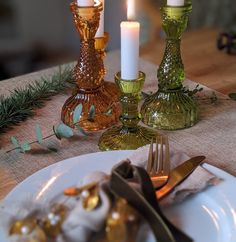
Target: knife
<point x="179" y="174"/>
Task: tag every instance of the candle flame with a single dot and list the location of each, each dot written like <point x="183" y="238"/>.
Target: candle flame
<point x="131" y="9"/>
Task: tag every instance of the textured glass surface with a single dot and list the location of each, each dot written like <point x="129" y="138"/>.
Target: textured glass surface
<point x="130" y="135"/>
<point x="89" y="74"/>
<point x="171" y="71"/>
<point x="169" y="111"/>
<point x="208" y="13"/>
<point x="170" y="108"/>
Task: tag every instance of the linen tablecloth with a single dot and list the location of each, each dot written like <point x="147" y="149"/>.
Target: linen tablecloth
<point x="213" y="136"/>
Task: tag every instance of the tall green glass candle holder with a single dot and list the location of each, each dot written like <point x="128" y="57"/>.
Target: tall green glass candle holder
<point x="170" y="108"/>
<point x="130" y="135"/>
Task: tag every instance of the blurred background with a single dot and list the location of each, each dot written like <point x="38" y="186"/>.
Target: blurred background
<point x="36" y="34"/>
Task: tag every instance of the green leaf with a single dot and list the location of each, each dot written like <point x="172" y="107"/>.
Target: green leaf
<point x="51" y="146"/>
<point x="52" y="149"/>
<point x="15" y="142"/>
<point x="232" y="96"/>
<point x="39" y="134"/>
<point x="55" y="132"/>
<point x="91" y="113"/>
<point x="81" y="130"/>
<point x="25" y="147"/>
<point x="109" y="112"/>
<point x="77" y="113"/>
<point x="213" y="98"/>
<point x="63" y="131"/>
<point x="146" y="95"/>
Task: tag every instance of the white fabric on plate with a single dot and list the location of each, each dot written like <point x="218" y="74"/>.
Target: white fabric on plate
<point x="197" y="181"/>
<point x="78" y="226"/>
<point x="84" y="223"/>
<point x="13" y="211"/>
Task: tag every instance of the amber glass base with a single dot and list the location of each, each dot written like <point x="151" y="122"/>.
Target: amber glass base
<point x="91" y="90"/>
<point x="103" y="99"/>
<point x="169" y="110"/>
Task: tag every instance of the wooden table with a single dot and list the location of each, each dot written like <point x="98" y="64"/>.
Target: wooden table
<point x="204" y="63"/>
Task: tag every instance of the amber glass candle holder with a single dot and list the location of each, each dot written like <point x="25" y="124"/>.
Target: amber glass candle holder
<point x="110" y="87"/>
<point x="129" y="135"/>
<point x="170" y="107"/>
<point x="91" y="89"/>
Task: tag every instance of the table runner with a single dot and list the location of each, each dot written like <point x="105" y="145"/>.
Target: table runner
<point x="213" y="136"/>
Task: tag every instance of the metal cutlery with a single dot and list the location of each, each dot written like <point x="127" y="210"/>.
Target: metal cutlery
<point x="179" y="174"/>
<point x="158" y="166"/>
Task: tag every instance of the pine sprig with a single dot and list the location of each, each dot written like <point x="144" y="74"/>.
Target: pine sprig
<point x="23" y="101"/>
<point x="193" y="93"/>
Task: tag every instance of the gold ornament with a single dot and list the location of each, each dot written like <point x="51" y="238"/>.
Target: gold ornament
<point x="52" y="224"/>
<point x="122" y="222"/>
<point x="28" y="227"/>
<point x="89" y="195"/>
<point x="23" y="227"/>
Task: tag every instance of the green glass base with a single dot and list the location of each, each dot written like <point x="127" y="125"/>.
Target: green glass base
<point x="120" y="138"/>
<point x="169" y="110"/>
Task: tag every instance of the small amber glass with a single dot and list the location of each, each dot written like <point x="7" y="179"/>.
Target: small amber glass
<point x="91" y="89"/>
<point x="130" y="135"/>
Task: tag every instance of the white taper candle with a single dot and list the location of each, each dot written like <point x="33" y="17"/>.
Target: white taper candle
<point x="175" y="2"/>
<point x="100" y="31"/>
<point x="130" y="50"/>
<point x="85" y="3"/>
<point x="131" y="9"/>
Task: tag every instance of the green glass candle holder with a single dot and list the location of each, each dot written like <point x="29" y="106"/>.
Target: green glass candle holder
<point x="170" y="108"/>
<point x="130" y="135"/>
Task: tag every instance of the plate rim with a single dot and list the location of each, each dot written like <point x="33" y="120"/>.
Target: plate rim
<point x="215" y="170"/>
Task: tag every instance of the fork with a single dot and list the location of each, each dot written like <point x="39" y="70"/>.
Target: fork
<point x="158" y="167"/>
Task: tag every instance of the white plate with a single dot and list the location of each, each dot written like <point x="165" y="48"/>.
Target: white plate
<point x="209" y="216"/>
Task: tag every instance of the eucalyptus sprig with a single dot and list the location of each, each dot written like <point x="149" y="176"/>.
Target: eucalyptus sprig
<point x="213" y="98"/>
<point x="60" y="131"/>
<point x="194" y="91"/>
<point x="22" y="102"/>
